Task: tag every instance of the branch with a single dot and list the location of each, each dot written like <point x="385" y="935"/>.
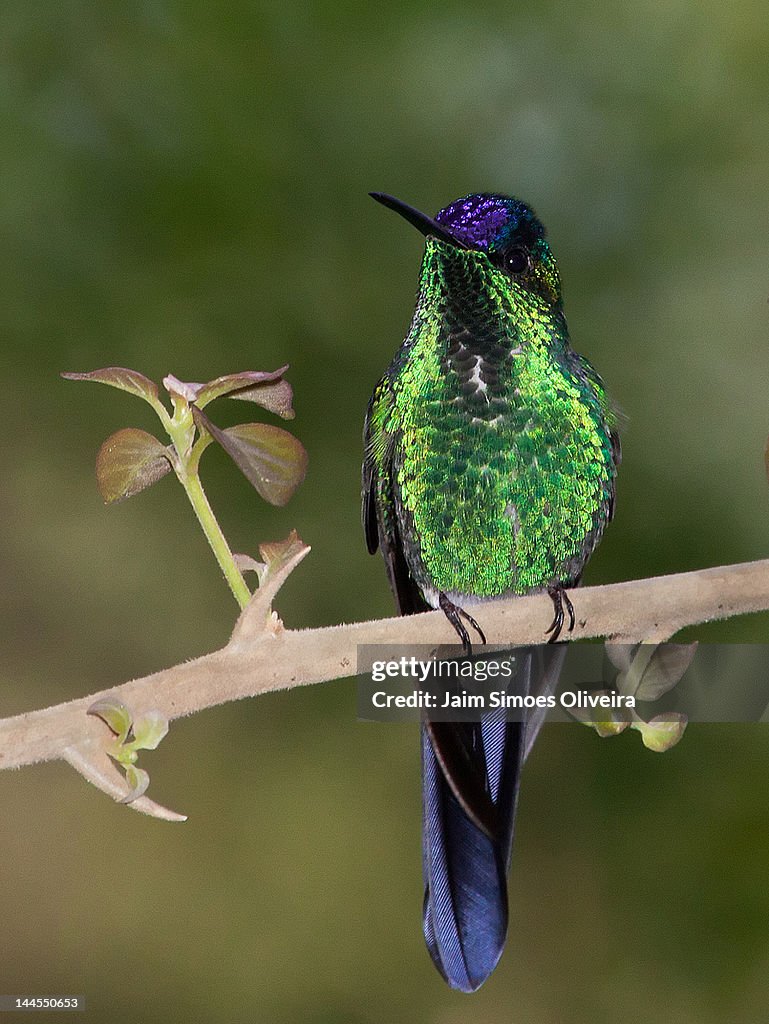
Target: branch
<point x="263" y="656"/>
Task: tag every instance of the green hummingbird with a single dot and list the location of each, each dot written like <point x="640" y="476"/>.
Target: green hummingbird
<point x="491" y="453"/>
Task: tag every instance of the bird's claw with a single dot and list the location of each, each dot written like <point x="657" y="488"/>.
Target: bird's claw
<point x="559" y="597"/>
<point x="455" y="614"/>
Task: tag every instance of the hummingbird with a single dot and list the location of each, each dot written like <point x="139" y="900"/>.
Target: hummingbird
<point x="490" y="459"/>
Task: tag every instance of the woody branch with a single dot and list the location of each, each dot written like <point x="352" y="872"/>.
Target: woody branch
<point x="262" y="656"/>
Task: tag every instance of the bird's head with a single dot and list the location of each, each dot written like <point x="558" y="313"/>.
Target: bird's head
<point x="502" y="229"/>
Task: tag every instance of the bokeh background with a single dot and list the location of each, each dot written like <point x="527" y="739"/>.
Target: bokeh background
<point x="183" y="188"/>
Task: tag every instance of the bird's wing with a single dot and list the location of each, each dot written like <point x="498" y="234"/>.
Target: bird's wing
<point x="614" y="417"/>
<point x="380" y="522"/>
<point x="374" y="459"/>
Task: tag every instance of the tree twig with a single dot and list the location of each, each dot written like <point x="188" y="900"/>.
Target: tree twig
<point x="263" y="656"/>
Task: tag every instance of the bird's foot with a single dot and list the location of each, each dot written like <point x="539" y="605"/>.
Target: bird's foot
<point x="455" y="614"/>
<point x="559" y="597"/>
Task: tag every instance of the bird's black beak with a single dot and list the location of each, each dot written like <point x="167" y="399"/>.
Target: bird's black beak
<point x="421" y="221"/>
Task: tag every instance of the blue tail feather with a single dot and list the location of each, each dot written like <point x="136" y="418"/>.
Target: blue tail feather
<point x="465" y="865"/>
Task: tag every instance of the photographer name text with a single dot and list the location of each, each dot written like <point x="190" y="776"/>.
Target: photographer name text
<point x="500" y="699"/>
<point x="479" y="671"/>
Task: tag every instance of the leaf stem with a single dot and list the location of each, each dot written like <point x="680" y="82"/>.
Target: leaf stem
<point x="208" y="522"/>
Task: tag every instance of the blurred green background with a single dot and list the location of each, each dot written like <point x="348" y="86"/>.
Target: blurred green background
<point x="183" y="189"/>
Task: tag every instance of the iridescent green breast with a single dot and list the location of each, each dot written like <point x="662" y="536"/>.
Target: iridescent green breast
<point x="499" y="448"/>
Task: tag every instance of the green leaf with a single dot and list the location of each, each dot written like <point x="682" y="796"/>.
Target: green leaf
<point x="273" y="460"/>
<point x="605" y="721"/>
<point x="611" y="727"/>
<point x="149" y="730"/>
<point x="276" y="398"/>
<point x="128" y="462"/>
<point x="138" y="780"/>
<point x="620" y="655"/>
<point x="114" y="714"/>
<point x="241" y="385"/>
<point x="665" y="669"/>
<point x="132" y="381"/>
<point x="663" y="732"/>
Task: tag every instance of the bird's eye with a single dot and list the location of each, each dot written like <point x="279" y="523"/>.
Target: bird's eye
<point x="517" y="260"/>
